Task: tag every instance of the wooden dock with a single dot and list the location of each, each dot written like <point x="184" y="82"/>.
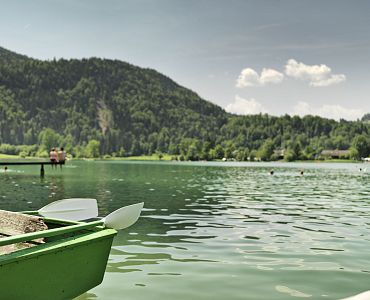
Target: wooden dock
<point x="23" y="163"/>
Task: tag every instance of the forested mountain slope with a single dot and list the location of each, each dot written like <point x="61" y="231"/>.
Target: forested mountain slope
<point x="114" y="102"/>
<point x="136" y="111"/>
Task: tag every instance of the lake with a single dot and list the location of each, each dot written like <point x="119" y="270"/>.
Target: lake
<point x="219" y="230"/>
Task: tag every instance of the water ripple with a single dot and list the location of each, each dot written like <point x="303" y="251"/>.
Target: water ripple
<point x="221" y="230"/>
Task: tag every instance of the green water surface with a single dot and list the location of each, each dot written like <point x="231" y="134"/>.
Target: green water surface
<point x="219" y="230"/>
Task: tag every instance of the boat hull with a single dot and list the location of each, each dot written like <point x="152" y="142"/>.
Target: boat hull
<point x="61" y="269"/>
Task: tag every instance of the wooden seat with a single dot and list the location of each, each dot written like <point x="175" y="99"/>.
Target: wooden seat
<point x="12" y="223"/>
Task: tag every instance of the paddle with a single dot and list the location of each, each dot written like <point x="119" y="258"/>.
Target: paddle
<point x="119" y="219"/>
<point x="123" y="217"/>
<point x="73" y="209"/>
<point x="362" y="296"/>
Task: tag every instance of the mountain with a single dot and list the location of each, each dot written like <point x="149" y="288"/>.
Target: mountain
<point x="8" y="57"/>
<point x="121" y="105"/>
<point x="132" y="111"/>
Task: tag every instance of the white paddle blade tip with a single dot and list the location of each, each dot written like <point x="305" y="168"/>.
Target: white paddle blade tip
<point x="362" y="296"/>
<point x="124" y="217"/>
<point x="74" y="209"/>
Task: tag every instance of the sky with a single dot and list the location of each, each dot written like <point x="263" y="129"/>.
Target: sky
<point x="270" y="56"/>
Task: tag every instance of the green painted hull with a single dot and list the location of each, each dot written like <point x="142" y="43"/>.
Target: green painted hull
<point x="62" y="268"/>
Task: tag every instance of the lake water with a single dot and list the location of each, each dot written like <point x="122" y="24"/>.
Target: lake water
<point x="219" y="230"/>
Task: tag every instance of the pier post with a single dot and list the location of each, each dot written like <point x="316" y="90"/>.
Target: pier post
<point x="27" y="162"/>
<point x="42" y="171"/>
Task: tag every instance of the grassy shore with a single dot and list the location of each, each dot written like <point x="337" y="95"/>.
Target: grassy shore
<point x="165" y="157"/>
<point x="7" y="156"/>
<point x="328" y="161"/>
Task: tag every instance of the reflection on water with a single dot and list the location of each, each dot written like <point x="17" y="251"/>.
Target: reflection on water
<point x="219" y="230"/>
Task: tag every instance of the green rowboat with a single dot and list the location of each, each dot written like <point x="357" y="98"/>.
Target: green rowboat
<point x="52" y="259"/>
<point x="70" y="261"/>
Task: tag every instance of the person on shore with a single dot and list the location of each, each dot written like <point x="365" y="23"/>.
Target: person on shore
<point x="53" y="157"/>
<point x="61" y="157"/>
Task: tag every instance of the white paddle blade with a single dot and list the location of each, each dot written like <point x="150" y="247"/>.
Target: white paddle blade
<point x="74" y="209"/>
<point x="362" y="296"/>
<point x="123" y="217"/>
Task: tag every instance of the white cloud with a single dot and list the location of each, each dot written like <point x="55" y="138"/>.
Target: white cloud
<point x="317" y="75"/>
<point x="243" y="106"/>
<point x="249" y="77"/>
<point x="271" y="76"/>
<point x="328" y="111"/>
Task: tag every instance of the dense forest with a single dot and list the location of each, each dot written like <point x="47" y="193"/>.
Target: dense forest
<point x="94" y="107"/>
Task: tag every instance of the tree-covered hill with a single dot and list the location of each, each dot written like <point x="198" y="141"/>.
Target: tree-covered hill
<point x="132" y="111"/>
<point x="8" y="57"/>
<point x="122" y="106"/>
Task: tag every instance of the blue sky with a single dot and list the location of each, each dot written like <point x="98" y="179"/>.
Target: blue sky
<point x="296" y="57"/>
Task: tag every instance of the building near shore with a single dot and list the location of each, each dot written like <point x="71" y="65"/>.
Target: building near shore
<point x="335" y="154"/>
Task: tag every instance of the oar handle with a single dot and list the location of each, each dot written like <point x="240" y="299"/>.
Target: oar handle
<point x="47" y="233"/>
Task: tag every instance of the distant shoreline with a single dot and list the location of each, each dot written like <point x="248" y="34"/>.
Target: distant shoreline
<point x="167" y="157"/>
